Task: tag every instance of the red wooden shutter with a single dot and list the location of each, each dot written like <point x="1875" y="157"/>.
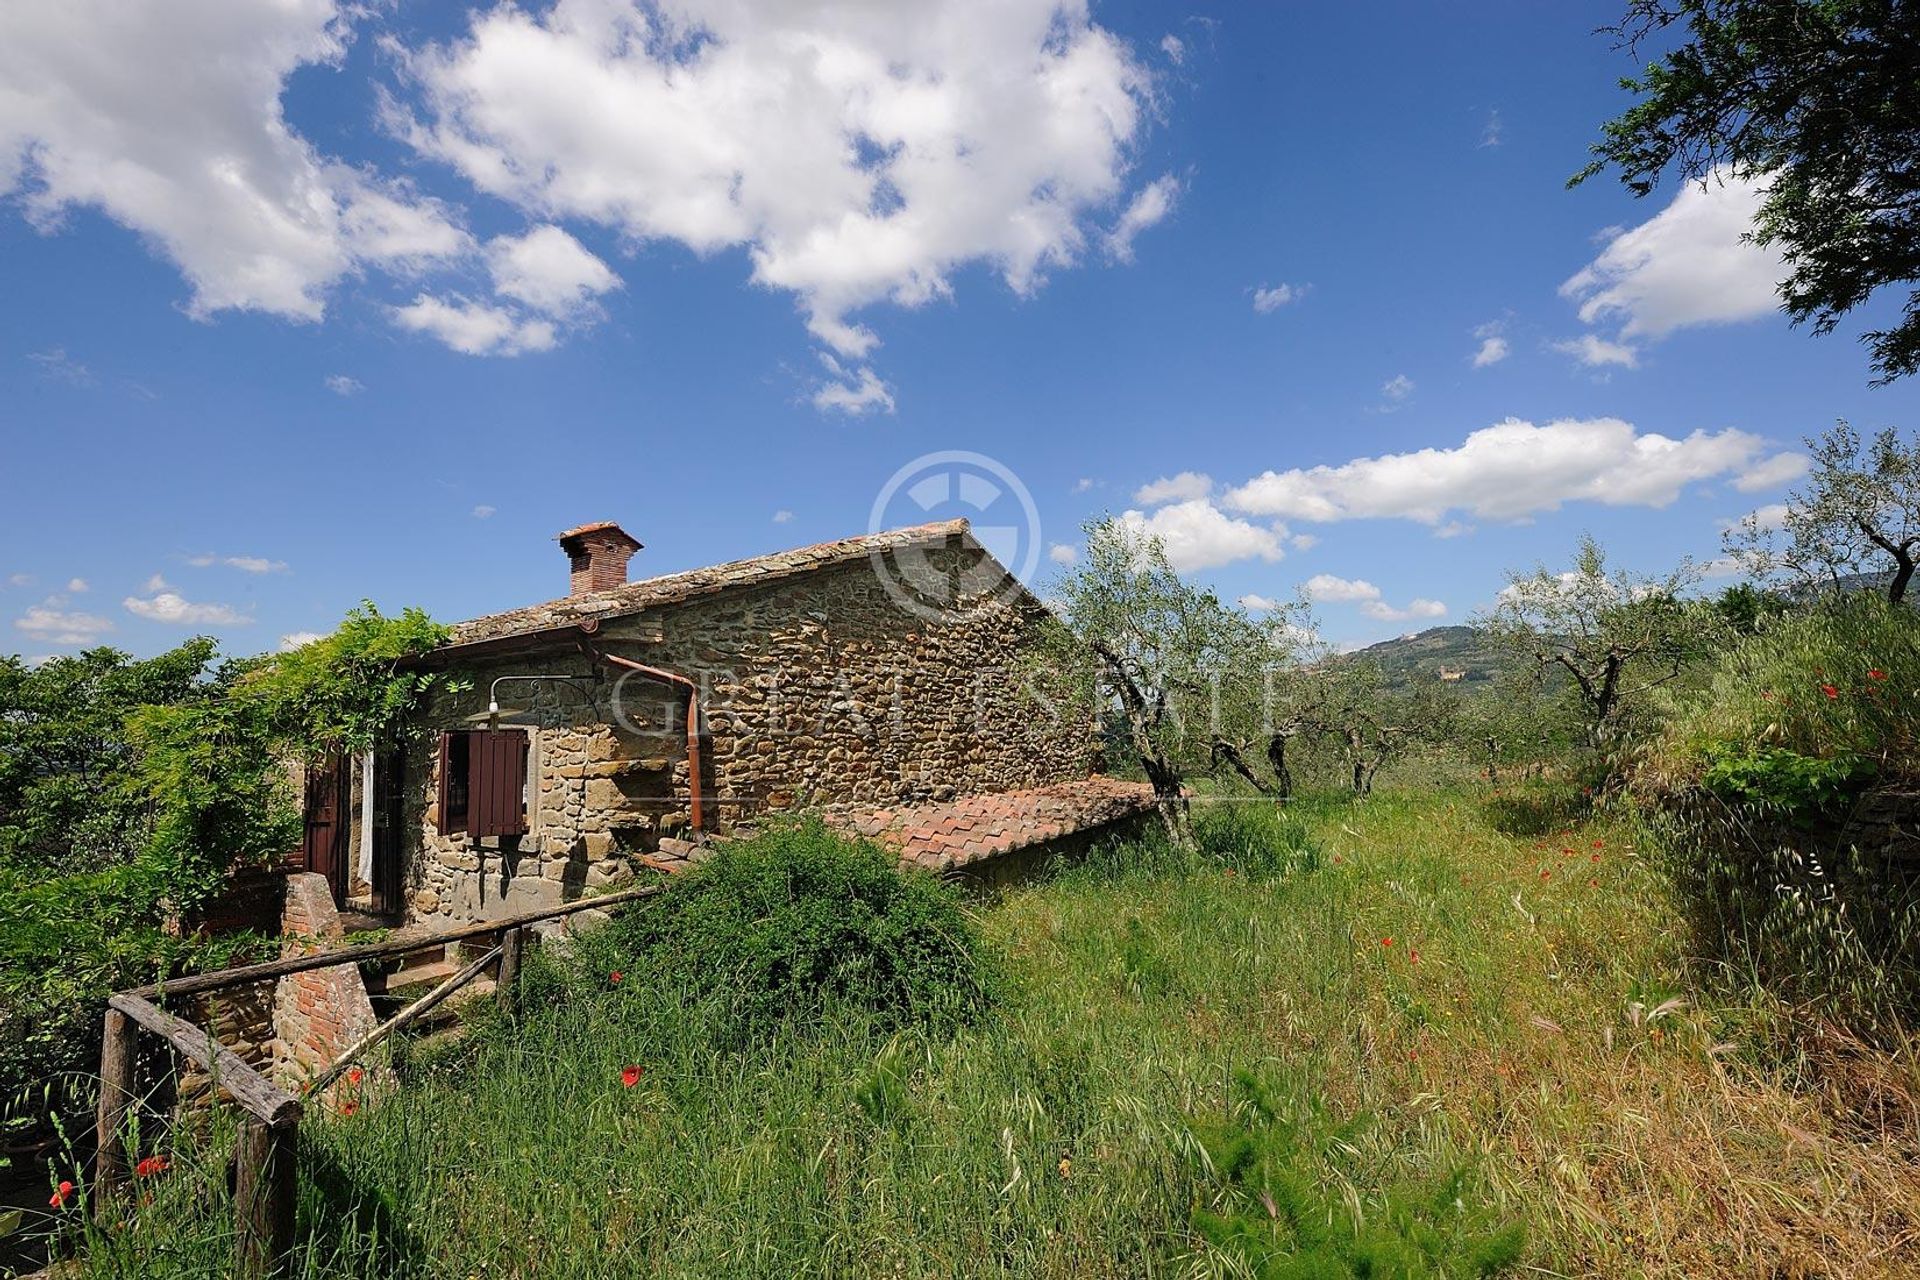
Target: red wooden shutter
<point x="496" y="803"/>
<point x="447" y="824"/>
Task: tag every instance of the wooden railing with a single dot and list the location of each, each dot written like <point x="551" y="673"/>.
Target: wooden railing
<point x="265" y="1165"/>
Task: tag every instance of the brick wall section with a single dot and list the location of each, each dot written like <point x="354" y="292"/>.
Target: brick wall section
<point x="318" y="1014"/>
<point x="820" y="690"/>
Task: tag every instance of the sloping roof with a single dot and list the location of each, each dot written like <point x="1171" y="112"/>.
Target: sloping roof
<point x="675" y="587"/>
<point x="955" y="834"/>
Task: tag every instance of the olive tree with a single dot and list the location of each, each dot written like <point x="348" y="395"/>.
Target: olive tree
<point x="1616" y="636"/>
<point x="1184" y="670"/>
<point x="1857" y="511"/>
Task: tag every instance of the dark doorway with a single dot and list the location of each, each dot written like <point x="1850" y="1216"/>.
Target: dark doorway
<point x="389" y="795"/>
<point x="329" y="799"/>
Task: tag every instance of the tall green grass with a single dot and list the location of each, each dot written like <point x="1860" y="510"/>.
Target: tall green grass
<point x="1467" y="1046"/>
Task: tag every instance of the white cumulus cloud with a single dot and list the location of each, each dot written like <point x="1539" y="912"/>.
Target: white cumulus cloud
<point x="851" y="391"/>
<point x="1197" y="535"/>
<point x="50" y="623"/>
<point x="298" y="639"/>
<point x="475" y="328"/>
<point x="166" y="116"/>
<point x="1062" y="553"/>
<point x="1414" y="609"/>
<point x="1326" y="586"/>
<point x="246" y="564"/>
<point x="1687" y="265"/>
<point x="859" y="153"/>
<point x="1772" y="473"/>
<point x="1492" y="350"/>
<point x="1188" y="484"/>
<point x="1149" y="207"/>
<point x="549" y="271"/>
<point x="1334" y="589"/>
<point x="171" y="607"/>
<point x="1508" y="471"/>
<point x="1270" y="298"/>
<point x="1596" y="352"/>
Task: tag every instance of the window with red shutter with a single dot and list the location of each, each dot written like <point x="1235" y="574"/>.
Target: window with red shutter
<point x="483" y="783"/>
<point x="497" y="804"/>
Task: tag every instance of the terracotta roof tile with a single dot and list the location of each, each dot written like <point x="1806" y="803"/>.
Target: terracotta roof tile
<point x="960" y="832"/>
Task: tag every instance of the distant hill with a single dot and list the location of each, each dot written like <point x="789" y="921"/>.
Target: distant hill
<point x="1455" y="654"/>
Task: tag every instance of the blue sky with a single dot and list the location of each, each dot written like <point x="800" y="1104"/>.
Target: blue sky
<point x="325" y="304"/>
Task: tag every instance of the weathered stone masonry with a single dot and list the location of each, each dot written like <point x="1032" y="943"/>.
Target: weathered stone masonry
<point x="819" y="691"/>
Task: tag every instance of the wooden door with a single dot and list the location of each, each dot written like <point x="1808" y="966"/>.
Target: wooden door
<point x="329" y="822"/>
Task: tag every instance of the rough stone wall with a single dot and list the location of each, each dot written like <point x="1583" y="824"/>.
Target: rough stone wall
<point x="315" y="1015"/>
<point x="817" y="691"/>
<point x="241" y="1018"/>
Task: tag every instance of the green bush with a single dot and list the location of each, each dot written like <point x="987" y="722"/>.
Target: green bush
<point x="1782" y="780"/>
<point x="1835" y="681"/>
<point x="1750" y="788"/>
<point x="781" y="928"/>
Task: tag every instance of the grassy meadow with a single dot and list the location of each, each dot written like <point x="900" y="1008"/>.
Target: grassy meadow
<point x="1445" y="1033"/>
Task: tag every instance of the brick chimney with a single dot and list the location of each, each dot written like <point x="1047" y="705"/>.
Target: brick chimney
<point x="598" y="554"/>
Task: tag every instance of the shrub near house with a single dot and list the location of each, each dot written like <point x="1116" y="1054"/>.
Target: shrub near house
<point x="1787" y="783"/>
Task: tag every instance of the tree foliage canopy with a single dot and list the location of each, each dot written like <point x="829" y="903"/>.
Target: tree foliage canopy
<point x="1819" y="100"/>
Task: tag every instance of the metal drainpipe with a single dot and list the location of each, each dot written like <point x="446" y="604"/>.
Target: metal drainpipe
<point x="693" y="721"/>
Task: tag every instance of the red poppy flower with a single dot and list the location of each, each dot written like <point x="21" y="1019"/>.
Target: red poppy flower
<point x="1593" y="884"/>
<point x="1386" y="942"/>
<point x="1829" y="690"/>
<point x="150" y="1167"/>
<point x="1596" y="857"/>
<point x="1413" y="955"/>
<point x="355" y="1075"/>
<point x="60" y="1194"/>
<point x="1545" y="874"/>
<point x="630" y="1076"/>
<point x="615" y="976"/>
<point x="348" y="1107"/>
<point x="1599" y="844"/>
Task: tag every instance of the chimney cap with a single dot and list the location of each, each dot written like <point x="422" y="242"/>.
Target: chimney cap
<point x="569" y="540"/>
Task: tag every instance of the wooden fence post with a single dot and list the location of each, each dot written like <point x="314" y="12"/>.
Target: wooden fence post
<point x="116" y="1097"/>
<point x="512" y="943"/>
<point x="265" y="1196"/>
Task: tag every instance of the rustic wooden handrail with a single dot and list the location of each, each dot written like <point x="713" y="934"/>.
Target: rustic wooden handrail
<point x="257" y="1095"/>
<point x="413" y="1012"/>
<point x="265" y="1184"/>
<point x="219" y="979"/>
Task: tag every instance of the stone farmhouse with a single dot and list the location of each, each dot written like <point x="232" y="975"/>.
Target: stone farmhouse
<point x="887" y="681"/>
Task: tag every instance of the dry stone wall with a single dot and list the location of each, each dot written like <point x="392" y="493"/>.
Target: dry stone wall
<point x="818" y="691"/>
